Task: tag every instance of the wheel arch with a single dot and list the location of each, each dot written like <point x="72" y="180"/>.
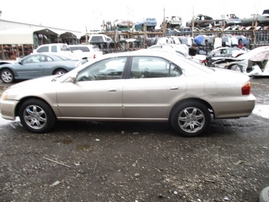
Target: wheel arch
<point x="230" y="67"/>
<point x="211" y="111"/>
<point x="14" y="73"/>
<point x="17" y="109"/>
<point x="10" y="69"/>
<point x="59" y="68"/>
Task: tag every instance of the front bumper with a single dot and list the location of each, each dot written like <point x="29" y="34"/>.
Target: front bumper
<point x="7" y="109"/>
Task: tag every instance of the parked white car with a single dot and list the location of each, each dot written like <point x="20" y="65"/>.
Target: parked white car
<point x="86" y="51"/>
<point x="252" y="63"/>
<point x="53" y="48"/>
<point x="182" y="49"/>
<point x="59" y="48"/>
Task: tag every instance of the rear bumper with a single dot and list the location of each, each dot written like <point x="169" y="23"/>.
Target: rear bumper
<point x="234" y="108"/>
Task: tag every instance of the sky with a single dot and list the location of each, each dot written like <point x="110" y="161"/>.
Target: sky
<point x="82" y="15"/>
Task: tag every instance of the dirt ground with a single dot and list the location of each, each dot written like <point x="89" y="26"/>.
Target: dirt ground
<point x="137" y="162"/>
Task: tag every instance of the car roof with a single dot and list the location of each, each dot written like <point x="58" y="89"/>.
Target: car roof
<point x="54" y="54"/>
<point x="81" y="45"/>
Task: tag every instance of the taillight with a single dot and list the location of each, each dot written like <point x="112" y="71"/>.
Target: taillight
<point x="246" y="89"/>
<point x="238" y="55"/>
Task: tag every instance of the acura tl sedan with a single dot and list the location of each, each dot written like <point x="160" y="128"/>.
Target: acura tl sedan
<point x="132" y="86"/>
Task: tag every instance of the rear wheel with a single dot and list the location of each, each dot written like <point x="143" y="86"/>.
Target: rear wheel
<point x="190" y="119"/>
<point x="7" y="76"/>
<point x="237" y="68"/>
<point x="60" y="72"/>
<point x="37" y="116"/>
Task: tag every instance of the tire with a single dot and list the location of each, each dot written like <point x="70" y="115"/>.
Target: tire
<point x="60" y="72"/>
<point x="7" y="76"/>
<point x="264" y="195"/>
<point x="236" y="68"/>
<point x="37" y="116"/>
<point x="190" y="118"/>
<point x="84" y="78"/>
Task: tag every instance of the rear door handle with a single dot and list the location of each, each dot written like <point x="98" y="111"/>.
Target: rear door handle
<point x="174" y="88"/>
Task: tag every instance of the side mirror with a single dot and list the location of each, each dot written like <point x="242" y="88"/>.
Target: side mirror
<point x="72" y="78"/>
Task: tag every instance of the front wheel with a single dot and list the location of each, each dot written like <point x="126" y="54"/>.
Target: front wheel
<point x="37" y="116"/>
<point x="190" y="119"/>
<point x="7" y="76"/>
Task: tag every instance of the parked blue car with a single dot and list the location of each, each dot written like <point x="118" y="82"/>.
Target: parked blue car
<point x="37" y="65"/>
<point x="150" y="24"/>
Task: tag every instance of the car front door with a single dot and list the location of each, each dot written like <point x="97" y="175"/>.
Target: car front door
<point x="30" y="67"/>
<point x="97" y="92"/>
<point x="154" y="86"/>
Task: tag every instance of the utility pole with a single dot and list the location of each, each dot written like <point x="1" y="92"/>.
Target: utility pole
<point x="164" y="24"/>
<point x="145" y="30"/>
<point x="86" y="35"/>
<point x="192" y="22"/>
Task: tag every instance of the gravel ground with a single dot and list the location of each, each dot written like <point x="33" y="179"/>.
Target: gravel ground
<point x="137" y="162"/>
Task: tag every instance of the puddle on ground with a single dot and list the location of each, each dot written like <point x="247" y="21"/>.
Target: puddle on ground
<point x="261" y="110"/>
<point x="87" y="148"/>
<point x="5" y="122"/>
<point x="263" y="100"/>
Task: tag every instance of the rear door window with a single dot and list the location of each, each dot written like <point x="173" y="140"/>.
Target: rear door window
<point x="54" y="49"/>
<point x="153" y="67"/>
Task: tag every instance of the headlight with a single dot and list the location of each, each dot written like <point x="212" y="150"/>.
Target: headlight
<point x="4" y="96"/>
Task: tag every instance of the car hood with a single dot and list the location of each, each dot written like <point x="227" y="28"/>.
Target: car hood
<point x="257" y="54"/>
<point x="34" y="82"/>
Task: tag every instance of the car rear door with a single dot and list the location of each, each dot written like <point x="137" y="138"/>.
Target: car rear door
<point x="30" y="67"/>
<point x="154" y="86"/>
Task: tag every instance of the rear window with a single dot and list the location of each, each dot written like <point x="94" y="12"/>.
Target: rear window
<point x="65" y="57"/>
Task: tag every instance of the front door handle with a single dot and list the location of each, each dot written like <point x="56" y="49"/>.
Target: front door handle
<point x="112" y="90"/>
